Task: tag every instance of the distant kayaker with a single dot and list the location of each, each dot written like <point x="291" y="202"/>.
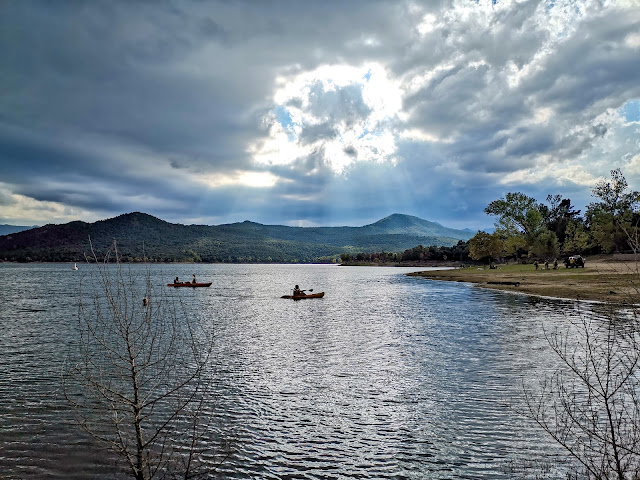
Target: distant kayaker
<point x="176" y="280"/>
<point x="194" y="279"/>
<point x="297" y="291"/>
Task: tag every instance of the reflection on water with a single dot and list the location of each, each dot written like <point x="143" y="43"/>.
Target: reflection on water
<point x="387" y="376"/>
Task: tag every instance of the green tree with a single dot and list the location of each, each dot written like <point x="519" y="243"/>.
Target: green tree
<point x="514" y="244"/>
<point x="534" y="227"/>
<point x="576" y="239"/>
<point x="611" y="219"/>
<point x="558" y="214"/>
<point x="515" y="212"/>
<point x="519" y="220"/>
<point x="486" y="245"/>
<point x="546" y="245"/>
<point x="613" y="195"/>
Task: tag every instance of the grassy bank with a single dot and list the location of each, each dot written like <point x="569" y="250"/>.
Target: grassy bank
<point x="602" y="279"/>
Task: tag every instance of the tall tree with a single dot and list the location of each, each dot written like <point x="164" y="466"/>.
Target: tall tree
<point x="611" y="219"/>
<point x="614" y="196"/>
<point x="576" y="238"/>
<point x="516" y="211"/>
<point x="518" y="216"/>
<point x="546" y="245"/>
<point x="558" y="214"/>
<point x="486" y="245"/>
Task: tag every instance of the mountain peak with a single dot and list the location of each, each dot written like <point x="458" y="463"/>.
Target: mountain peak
<point x="133" y="217"/>
<point x="401" y="219"/>
<point x="399" y="223"/>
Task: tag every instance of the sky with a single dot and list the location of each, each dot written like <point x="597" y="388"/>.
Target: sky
<point x="312" y="113"/>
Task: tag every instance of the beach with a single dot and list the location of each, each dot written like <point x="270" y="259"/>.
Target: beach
<point x="602" y="279"/>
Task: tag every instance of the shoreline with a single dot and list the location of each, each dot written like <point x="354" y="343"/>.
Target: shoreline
<point x="424" y="264"/>
<point x="602" y="280"/>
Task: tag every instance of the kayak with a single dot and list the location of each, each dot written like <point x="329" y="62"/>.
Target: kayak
<point x="300" y="297"/>
<point x="189" y="284"/>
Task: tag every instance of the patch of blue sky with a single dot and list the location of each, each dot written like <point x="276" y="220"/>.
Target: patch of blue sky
<point x="631" y="111"/>
<point x="284" y="119"/>
<point x="282" y="114"/>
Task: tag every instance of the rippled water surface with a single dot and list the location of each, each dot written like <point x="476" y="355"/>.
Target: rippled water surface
<point x="387" y="376"/>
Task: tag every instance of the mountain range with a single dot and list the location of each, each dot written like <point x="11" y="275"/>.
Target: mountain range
<point x="8" y="229"/>
<point x="139" y="236"/>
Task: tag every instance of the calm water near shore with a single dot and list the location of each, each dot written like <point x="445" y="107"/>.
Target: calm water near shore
<point x="387" y="376"/>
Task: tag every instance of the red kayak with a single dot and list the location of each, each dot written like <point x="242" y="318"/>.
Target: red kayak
<point x="300" y="297"/>
<point x="189" y="284"/>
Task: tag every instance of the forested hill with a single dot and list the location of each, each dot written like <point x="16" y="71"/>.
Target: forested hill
<point x="410" y="225"/>
<point x="139" y="235"/>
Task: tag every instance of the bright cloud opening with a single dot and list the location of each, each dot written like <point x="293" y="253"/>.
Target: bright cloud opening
<point x="343" y="113"/>
<point x="245" y="179"/>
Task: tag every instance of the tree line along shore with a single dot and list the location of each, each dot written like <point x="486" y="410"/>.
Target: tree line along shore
<point x="529" y="234"/>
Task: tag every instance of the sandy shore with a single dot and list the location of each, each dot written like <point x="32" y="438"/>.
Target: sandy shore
<point x="602" y="279"/>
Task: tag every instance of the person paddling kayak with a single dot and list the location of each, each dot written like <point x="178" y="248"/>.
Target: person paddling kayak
<point x="299" y="294"/>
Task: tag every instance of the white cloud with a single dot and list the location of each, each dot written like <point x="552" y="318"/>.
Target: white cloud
<point x="244" y="179"/>
<point x="24" y="210"/>
<point x="170" y="106"/>
<point x="346" y="113"/>
<point x="633" y="40"/>
<point x="633" y="167"/>
<point x="428" y="24"/>
<point x="551" y="175"/>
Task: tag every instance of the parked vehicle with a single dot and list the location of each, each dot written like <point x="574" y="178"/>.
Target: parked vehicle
<point x="574" y="261"/>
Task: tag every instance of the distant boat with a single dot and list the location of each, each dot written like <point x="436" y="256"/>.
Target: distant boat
<point x="75" y="266"/>
<point x="189" y="284"/>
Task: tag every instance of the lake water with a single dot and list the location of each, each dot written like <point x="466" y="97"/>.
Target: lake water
<point x="387" y="376"/>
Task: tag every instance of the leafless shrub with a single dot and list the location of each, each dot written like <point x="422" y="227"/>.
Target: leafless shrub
<point x="138" y="379"/>
<point x="591" y="404"/>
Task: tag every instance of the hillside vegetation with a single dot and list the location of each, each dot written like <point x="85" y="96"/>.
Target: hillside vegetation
<point x="140" y="236"/>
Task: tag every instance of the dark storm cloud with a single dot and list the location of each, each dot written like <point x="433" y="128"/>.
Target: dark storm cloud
<point x="313" y="133"/>
<point x="343" y="104"/>
<point x="120" y="106"/>
<point x="450" y="102"/>
<point x="594" y="65"/>
<point x="530" y="141"/>
<point x="185" y="81"/>
<point x="494" y="124"/>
